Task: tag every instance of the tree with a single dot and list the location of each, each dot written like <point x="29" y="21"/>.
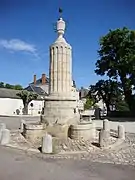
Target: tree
<point x="88" y="104"/>
<point x="117" y="60"/>
<point x="107" y="90"/>
<point x="10" y="86"/>
<point x="1" y="84"/>
<point x="26" y="97"/>
<point x="18" y="87"/>
<point x="121" y="106"/>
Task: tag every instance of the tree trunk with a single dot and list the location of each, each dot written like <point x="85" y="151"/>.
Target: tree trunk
<point x="25" y="109"/>
<point x="128" y="94"/>
<point x="108" y="108"/>
<point x="129" y="99"/>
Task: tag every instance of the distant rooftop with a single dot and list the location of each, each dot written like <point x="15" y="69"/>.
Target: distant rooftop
<point x="11" y="93"/>
<point x="36" y="89"/>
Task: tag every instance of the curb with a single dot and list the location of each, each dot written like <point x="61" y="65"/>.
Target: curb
<point x="37" y="151"/>
<point x="22" y="148"/>
<point x="72" y="152"/>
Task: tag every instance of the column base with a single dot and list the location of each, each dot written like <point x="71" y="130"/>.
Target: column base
<point x="59" y="110"/>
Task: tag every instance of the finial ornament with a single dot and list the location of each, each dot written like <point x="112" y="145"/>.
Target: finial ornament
<point x="60" y="12"/>
<point x="60" y="25"/>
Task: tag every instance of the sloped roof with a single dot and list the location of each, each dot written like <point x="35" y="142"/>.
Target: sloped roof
<point x="36" y="89"/>
<point x="11" y="93"/>
<point x="83" y="92"/>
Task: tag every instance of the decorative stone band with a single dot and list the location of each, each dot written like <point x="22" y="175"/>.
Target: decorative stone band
<point x="56" y="98"/>
<point x="80" y="127"/>
<point x="34" y="126"/>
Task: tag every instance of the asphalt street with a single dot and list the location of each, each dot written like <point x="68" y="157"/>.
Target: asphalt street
<point x="16" y="165"/>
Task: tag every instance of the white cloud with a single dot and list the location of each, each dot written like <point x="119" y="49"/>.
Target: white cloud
<point x="18" y="45"/>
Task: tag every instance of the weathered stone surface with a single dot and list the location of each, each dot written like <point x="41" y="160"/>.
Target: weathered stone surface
<point x="58" y="110"/>
<point x="93" y="130"/>
<point x="47" y="144"/>
<point x="33" y="131"/>
<point x="2" y="127"/>
<point x="81" y="130"/>
<point x="106" y="125"/>
<point x="59" y="131"/>
<point x="60" y="104"/>
<point x="121" y="132"/>
<point x="5" y="137"/>
<point x="103" y="138"/>
<point x="22" y="125"/>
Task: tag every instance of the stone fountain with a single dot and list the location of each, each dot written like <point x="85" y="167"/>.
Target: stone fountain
<point x="60" y="118"/>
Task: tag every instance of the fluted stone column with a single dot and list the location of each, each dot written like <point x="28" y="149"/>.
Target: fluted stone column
<point x="60" y="104"/>
<point x="60" y="64"/>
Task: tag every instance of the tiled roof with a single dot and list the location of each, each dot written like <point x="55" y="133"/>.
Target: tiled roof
<point x="11" y="93"/>
<point x="8" y="93"/>
<point x="36" y="89"/>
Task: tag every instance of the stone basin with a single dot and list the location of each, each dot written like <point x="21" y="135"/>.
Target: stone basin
<point x="83" y="130"/>
<point x="33" y="131"/>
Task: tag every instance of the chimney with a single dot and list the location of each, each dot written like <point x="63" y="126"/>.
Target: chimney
<point x="35" y="79"/>
<point x="43" y="79"/>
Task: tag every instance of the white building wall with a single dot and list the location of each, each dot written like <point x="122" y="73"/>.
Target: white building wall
<point x="37" y="107"/>
<point x="9" y="106"/>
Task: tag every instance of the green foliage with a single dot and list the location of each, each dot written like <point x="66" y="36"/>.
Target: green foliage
<point x="107" y="90"/>
<point x="26" y="97"/>
<point x="1" y="84"/>
<point x="89" y="103"/>
<point x="117" y="60"/>
<point x="18" y="87"/>
<point x="9" y="86"/>
<point x="122" y="106"/>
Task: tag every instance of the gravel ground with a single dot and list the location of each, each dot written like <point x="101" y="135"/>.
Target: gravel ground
<point x="123" y="154"/>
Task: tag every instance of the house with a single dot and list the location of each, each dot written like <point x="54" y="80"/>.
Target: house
<point x="82" y="95"/>
<point x="39" y="86"/>
<point x="11" y="104"/>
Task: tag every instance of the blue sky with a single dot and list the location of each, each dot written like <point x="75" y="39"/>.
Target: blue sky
<point x="26" y="32"/>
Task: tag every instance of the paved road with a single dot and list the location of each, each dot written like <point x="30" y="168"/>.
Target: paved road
<point x="14" y="122"/>
<point x="129" y="126"/>
<point x="15" y="165"/>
